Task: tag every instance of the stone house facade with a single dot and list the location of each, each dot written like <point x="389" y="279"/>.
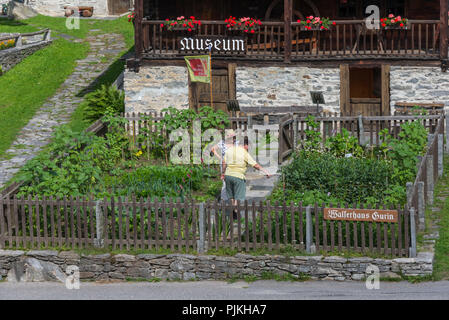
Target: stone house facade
<point x="358" y="70"/>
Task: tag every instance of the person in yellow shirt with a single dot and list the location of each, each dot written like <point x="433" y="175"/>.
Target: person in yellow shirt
<point x="235" y="163"/>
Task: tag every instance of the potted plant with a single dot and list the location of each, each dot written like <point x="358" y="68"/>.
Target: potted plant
<point x="131" y="17"/>
<point x="181" y="24"/>
<point x="316" y="24"/>
<point x="245" y="24"/>
<point x="393" y="22"/>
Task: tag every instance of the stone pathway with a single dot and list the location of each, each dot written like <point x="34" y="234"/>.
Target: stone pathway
<point x="57" y="110"/>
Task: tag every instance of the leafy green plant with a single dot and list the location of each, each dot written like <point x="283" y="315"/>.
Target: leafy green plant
<point x="106" y="100"/>
<point x="343" y="144"/>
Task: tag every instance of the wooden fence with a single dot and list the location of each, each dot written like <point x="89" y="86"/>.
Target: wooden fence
<point x="121" y="223"/>
<point x="293" y="129"/>
<point x="420" y="192"/>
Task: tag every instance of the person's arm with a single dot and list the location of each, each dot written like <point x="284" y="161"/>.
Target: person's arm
<point x="223" y="169"/>
<point x="255" y="165"/>
<point x="260" y="168"/>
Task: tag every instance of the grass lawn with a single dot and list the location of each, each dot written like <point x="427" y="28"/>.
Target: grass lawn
<point x="29" y="84"/>
<point x="441" y="266"/>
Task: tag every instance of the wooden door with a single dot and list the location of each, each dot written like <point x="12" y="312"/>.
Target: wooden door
<point x="223" y="89"/>
<point x="365" y="91"/>
<point x="117" y="7"/>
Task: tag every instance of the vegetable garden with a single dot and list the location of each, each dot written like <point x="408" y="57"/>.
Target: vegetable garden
<point x="121" y="180"/>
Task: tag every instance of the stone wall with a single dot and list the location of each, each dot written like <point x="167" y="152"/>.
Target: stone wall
<point x="56" y="7"/>
<point x="419" y="84"/>
<point x="156" y="88"/>
<point x="287" y="86"/>
<point x="205" y="267"/>
<point x="10" y="57"/>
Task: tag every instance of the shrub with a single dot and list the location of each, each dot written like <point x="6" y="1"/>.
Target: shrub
<point x="106" y="100"/>
<point x="347" y="179"/>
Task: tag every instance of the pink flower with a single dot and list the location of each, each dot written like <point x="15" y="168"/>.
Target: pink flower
<point x="391" y="15"/>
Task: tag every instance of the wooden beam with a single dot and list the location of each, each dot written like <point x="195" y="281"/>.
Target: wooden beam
<point x="138" y="39"/>
<point x="443" y="29"/>
<point x="344" y="90"/>
<point x="288" y="10"/>
<point x="386" y="110"/>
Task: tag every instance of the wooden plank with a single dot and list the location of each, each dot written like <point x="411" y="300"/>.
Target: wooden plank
<point x="120" y="223"/>
<point x="149" y="207"/>
<point x="78" y="219"/>
<point x="23" y="218"/>
<point x="142" y="224"/>
<point x="135" y="240"/>
<point x="2" y="224"/>
<point x="385" y="95"/>
<point x="276" y="212"/>
<point x="172" y="233"/>
<point x="253" y="209"/>
<point x="164" y="223"/>
<point x="30" y="213"/>
<point x="317" y="227"/>
<point x="85" y="222"/>
<point x="344" y="90"/>
<point x="270" y="239"/>
<point x="126" y="205"/>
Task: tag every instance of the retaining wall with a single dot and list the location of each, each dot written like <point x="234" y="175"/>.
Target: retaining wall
<point x="10" y="57"/>
<point x="209" y="267"/>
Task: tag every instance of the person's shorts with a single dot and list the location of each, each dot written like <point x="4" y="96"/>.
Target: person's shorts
<point x="235" y="188"/>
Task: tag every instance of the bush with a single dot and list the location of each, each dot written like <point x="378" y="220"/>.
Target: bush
<point x="106" y="100"/>
<point x="346" y="179"/>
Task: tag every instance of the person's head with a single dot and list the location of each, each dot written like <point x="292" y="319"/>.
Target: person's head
<point x="230" y="136"/>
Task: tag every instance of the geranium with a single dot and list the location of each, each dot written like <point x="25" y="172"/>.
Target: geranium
<point x="392" y="20"/>
<point x="131" y="16"/>
<point x="312" y="22"/>
<point x="246" y="24"/>
<point x="190" y="23"/>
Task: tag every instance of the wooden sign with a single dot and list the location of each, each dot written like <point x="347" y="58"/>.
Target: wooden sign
<point x="216" y="43"/>
<point x="366" y="215"/>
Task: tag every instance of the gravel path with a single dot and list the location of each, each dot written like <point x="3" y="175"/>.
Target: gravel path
<point x="58" y="109"/>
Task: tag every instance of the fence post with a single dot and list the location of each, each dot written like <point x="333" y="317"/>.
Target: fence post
<point x="447" y="131"/>
<point x="440" y="154"/>
<point x="421" y="207"/>
<point x="295" y="132"/>
<point x="361" y="131"/>
<point x="412" y="233"/>
<point x="202" y="225"/>
<point x="99" y="218"/>
<point x="409" y="191"/>
<point x="429" y="178"/>
<point x="309" y="230"/>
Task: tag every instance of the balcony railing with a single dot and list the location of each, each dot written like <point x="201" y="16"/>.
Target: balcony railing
<point x="345" y="40"/>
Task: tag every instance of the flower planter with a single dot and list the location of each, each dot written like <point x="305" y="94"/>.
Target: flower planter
<point x="315" y="28"/>
<point x="405" y="27"/>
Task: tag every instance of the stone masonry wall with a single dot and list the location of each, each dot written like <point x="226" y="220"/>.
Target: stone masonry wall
<point x="287" y="86"/>
<point x="156" y="88"/>
<point x="205" y="267"/>
<point x="10" y="57"/>
<point x="419" y="84"/>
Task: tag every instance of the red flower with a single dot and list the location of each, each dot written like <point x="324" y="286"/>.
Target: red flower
<point x="189" y="29"/>
<point x="334" y="23"/>
<point x="384" y="25"/>
<point x="252" y="31"/>
<point x="184" y="25"/>
<point x="162" y="25"/>
<point x="192" y="17"/>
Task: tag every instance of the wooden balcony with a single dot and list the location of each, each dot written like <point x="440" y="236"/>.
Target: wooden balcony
<point x="347" y="40"/>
